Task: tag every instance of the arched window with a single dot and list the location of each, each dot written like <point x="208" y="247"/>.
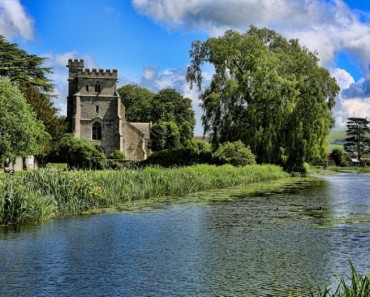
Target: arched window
<point x="97" y="87"/>
<point x="96" y="131"/>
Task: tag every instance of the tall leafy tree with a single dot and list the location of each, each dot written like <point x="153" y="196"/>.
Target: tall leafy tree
<point x="170" y="106"/>
<point x="137" y="101"/>
<point x="268" y="92"/>
<point x="28" y="73"/>
<point x="358" y="139"/>
<point x="171" y="114"/>
<point x="23" y="68"/>
<point x="21" y="134"/>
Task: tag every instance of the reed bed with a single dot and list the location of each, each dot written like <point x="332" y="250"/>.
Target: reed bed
<point x="44" y="194"/>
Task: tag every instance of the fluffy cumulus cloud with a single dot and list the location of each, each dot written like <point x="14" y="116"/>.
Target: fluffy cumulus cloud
<point x="354" y="99"/>
<point x="328" y="27"/>
<point x="14" y="20"/>
<point x="59" y="76"/>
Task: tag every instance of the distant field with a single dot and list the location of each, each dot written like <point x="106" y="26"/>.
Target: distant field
<point x="335" y="137"/>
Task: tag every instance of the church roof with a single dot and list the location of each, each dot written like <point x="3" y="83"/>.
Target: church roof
<point x="144" y="128"/>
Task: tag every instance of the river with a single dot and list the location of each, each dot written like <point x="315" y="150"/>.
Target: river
<point x="265" y="244"/>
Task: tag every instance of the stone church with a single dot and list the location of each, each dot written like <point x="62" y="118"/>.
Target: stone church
<point x="95" y="112"/>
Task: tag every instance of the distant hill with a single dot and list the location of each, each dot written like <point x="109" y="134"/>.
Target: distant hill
<point x="337" y="137"/>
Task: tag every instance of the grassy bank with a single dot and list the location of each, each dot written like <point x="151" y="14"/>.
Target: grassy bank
<point x="337" y="169"/>
<point x="42" y="195"/>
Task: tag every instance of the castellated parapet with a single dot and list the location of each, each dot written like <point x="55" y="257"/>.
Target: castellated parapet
<point x="75" y="63"/>
<point x="76" y="68"/>
<point x="97" y="73"/>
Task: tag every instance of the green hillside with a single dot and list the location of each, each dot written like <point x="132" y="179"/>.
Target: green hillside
<point x="337" y="136"/>
<point x="336" y="139"/>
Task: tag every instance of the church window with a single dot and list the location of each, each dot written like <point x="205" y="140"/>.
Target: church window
<point x="97" y="108"/>
<point x="97" y="87"/>
<point x="96" y="131"/>
<point x="87" y="88"/>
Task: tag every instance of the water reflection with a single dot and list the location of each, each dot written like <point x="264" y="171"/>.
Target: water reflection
<point x="265" y="245"/>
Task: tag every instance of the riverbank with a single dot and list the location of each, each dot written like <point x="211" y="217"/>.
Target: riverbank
<point x="320" y="170"/>
<point x="42" y="195"/>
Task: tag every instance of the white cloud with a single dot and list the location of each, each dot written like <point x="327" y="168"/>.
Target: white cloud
<point x="343" y="78"/>
<point x="325" y="26"/>
<point x="354" y="99"/>
<point x="14" y="21"/>
<point x="355" y="107"/>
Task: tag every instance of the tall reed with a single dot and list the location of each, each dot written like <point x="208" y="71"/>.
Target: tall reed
<point x="43" y="194"/>
<point x="128" y="185"/>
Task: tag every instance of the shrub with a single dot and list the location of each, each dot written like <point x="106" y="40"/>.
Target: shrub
<point x="178" y="157"/>
<point x="338" y="157"/>
<point x="235" y="153"/>
<point x="80" y="154"/>
<point x="118" y="155"/>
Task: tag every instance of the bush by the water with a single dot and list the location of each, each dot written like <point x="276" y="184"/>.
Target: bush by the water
<point x="193" y="152"/>
<point x="41" y="195"/>
<point x="235" y="153"/>
<point x="338" y="157"/>
<point x="79" y="154"/>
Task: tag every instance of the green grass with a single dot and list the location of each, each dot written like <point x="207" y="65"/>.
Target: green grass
<point x="44" y="194"/>
<point x="59" y="166"/>
<point x="320" y="170"/>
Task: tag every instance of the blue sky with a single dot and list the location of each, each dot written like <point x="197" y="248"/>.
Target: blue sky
<point x="148" y="41"/>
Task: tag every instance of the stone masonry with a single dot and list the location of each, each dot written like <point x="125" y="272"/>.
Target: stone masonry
<point x="95" y="112"/>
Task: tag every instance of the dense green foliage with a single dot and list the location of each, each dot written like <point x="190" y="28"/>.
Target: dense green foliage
<point x="47" y="113"/>
<point x="268" y="92"/>
<point x="28" y="73"/>
<point x="171" y="114"/>
<point x="117" y="154"/>
<point x="338" y="157"/>
<point x="138" y="102"/>
<point x="78" y="153"/>
<point x="165" y="135"/>
<point x="23" y="68"/>
<point x="21" y="134"/>
<point x="235" y="153"/>
<point x="41" y="195"/>
<point x="193" y="152"/>
<point x="358" y="139"/>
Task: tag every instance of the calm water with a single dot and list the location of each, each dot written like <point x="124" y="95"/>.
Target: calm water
<point x="264" y="245"/>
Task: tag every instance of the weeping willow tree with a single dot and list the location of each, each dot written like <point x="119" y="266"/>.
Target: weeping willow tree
<point x="266" y="91"/>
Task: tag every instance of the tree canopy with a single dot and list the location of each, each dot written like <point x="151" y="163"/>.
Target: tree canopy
<point x="28" y="73"/>
<point x="357" y="140"/>
<point x="21" y="134"/>
<point x="171" y="114"/>
<point x="137" y="101"/>
<point x="268" y="92"/>
<point x="23" y="68"/>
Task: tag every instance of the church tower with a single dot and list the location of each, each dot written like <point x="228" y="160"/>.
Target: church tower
<point x="95" y="113"/>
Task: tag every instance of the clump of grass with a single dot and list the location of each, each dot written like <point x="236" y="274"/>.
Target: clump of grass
<point x="44" y="194"/>
<point x="41" y="195"/>
<point x="355" y="286"/>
